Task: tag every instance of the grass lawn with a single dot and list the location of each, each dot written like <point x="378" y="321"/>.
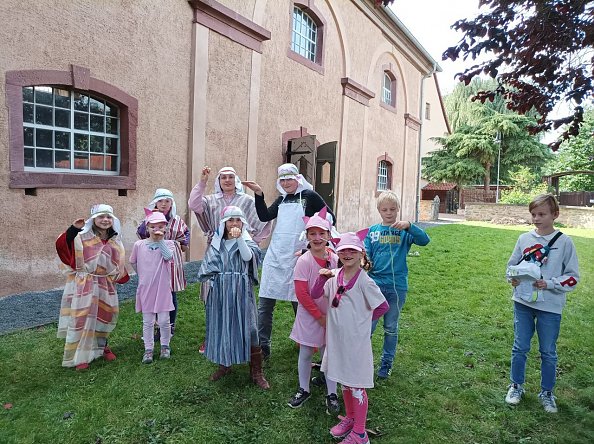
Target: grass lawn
<point x="448" y="384"/>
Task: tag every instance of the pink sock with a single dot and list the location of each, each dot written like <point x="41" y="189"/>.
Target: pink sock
<point x="359" y="405"/>
<point x="348" y="402"/>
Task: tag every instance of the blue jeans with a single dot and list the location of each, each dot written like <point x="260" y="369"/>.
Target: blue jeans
<point x="396" y="300"/>
<point x="547" y="325"/>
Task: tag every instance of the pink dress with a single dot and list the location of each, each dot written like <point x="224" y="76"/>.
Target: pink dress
<point x="306" y="329"/>
<point x="154" y="277"/>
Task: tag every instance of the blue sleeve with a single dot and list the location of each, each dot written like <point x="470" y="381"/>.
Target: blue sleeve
<point x="418" y="236"/>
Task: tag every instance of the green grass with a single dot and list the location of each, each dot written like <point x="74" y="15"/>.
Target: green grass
<point x="448" y="382"/>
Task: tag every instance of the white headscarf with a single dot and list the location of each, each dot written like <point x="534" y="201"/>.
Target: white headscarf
<point x="238" y="186"/>
<point x="228" y="213"/>
<point x="163" y="193"/>
<point x="290" y="171"/>
<point x="97" y="210"/>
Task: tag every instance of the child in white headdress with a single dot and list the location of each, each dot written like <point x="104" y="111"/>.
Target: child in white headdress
<point x="93" y="256"/>
<point x="151" y="258"/>
<point x="309" y="328"/>
<point x="176" y="230"/>
<point x="354" y="300"/>
<point x="231" y="265"/>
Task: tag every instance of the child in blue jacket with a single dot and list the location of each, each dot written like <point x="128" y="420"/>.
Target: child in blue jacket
<point x="387" y="245"/>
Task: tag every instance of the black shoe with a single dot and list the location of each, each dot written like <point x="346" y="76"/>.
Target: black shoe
<point x="319" y="381"/>
<point x="332" y="404"/>
<point x="298" y="398"/>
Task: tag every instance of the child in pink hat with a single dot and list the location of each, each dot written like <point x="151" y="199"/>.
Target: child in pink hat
<point x="354" y="301"/>
<point x="151" y="258"/>
<point x="309" y="328"/>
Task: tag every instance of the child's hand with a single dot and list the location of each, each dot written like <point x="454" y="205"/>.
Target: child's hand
<point x="326" y="273"/>
<point x="322" y="321"/>
<point x="234" y="232"/>
<point x="79" y="223"/>
<point x="401" y="225"/>
<point x="257" y="189"/>
<point x="205" y="174"/>
<point x="540" y="284"/>
<point x="514" y="282"/>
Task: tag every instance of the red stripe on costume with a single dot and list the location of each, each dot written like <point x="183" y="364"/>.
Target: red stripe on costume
<point x="570" y="282"/>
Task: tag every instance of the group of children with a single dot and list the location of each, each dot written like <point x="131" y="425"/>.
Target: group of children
<point x="339" y="305"/>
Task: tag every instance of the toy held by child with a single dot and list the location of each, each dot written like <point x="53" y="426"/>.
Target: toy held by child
<point x="151" y="258"/>
<point x="387" y="245"/>
<point x="538" y="303"/>
<point x="354" y="301"/>
<point x="309" y="328"/>
<point x="94" y="257"/>
<point x="231" y="265"/>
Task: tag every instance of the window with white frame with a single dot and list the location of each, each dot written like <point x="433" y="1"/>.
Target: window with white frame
<point x="387" y="89"/>
<point x="304" y="37"/>
<point x="70" y="131"/>
<point x="383" y="175"/>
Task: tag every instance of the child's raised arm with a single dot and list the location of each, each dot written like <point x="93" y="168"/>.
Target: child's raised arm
<point x="318" y="289"/>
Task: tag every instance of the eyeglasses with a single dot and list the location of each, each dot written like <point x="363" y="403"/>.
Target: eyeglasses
<point x="338" y="296"/>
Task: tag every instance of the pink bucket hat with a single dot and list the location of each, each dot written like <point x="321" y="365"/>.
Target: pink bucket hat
<point x="351" y="240"/>
<point x="318" y="220"/>
<point x="154" y="217"/>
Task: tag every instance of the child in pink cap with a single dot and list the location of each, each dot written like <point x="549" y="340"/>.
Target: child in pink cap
<point x="354" y="301"/>
<point x="309" y="328"/>
<point x="151" y="258"/>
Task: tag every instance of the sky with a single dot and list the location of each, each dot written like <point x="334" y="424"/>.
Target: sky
<point x="429" y="21"/>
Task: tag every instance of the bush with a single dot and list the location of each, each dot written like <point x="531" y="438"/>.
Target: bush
<point x="516" y="196"/>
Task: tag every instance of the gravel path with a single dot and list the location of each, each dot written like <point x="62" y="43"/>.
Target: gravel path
<point x="33" y="309"/>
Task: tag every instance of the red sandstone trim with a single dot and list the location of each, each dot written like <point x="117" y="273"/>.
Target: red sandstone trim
<point x="356" y="91"/>
<point x="412" y="122"/>
<point x="309" y="7"/>
<point x="230" y="24"/>
<point x="19" y="178"/>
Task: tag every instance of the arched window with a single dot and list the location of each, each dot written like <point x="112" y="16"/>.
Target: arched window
<point x="307" y="35"/>
<point x="67" y="130"/>
<point x="384" y="173"/>
<point x="70" y="130"/>
<point x="389" y="89"/>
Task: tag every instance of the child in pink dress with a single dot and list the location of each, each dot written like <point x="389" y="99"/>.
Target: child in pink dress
<point x="151" y="258"/>
<point x="354" y="301"/>
<point x="309" y="328"/>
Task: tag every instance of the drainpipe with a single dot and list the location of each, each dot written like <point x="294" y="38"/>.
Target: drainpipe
<point x="422" y="118"/>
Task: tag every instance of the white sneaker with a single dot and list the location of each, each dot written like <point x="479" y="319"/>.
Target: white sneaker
<point x="548" y="401"/>
<point x="514" y="394"/>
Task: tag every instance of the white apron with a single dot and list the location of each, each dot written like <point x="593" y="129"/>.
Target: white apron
<point x="280" y="259"/>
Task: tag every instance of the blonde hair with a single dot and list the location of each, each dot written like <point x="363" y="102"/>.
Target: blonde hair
<point x="544" y="199"/>
<point x="388" y="196"/>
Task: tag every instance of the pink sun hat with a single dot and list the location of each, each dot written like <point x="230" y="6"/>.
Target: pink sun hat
<point x="318" y="220"/>
<point x="154" y="217"/>
<point x="351" y="240"/>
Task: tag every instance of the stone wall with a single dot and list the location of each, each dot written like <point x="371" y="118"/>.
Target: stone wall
<point x="576" y="217"/>
<point x="425" y="210"/>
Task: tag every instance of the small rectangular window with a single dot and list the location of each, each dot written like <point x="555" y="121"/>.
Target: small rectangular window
<point x="427" y="111"/>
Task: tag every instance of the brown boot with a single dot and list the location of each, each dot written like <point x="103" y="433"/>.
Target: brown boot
<point x="221" y="371"/>
<point x="256" y="369"/>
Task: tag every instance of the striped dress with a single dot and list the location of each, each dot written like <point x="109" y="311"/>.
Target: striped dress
<point x="89" y="308"/>
<point x="231" y="326"/>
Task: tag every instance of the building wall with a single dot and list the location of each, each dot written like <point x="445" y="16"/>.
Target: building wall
<point x="142" y="48"/>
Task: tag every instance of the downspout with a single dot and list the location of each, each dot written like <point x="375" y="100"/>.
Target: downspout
<point x="422" y="118"/>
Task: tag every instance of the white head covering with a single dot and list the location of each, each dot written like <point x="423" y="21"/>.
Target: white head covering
<point x="97" y="210"/>
<point x="238" y="186"/>
<point x="290" y="171"/>
<point x="228" y="213"/>
<point x="163" y="193"/>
